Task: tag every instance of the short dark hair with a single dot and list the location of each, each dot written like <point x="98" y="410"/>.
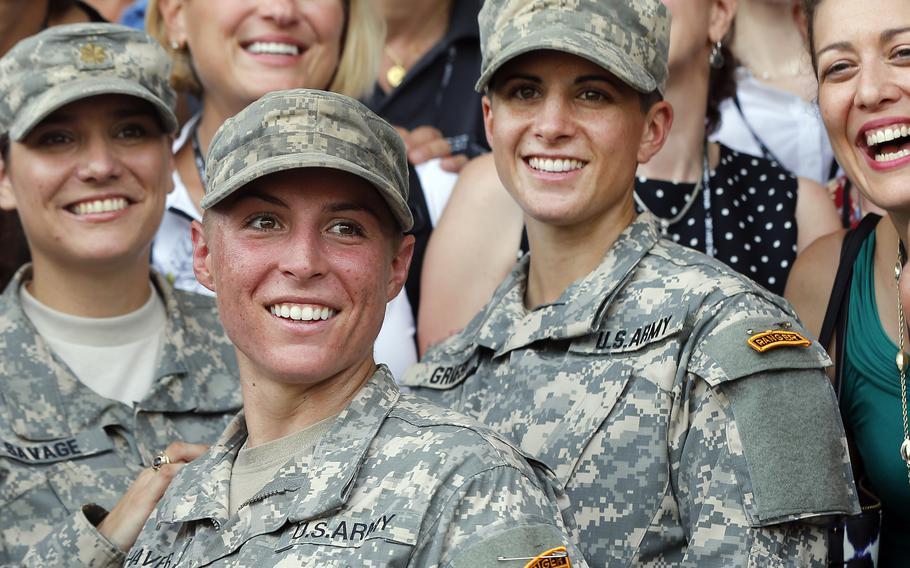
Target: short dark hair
<point x="648" y="100"/>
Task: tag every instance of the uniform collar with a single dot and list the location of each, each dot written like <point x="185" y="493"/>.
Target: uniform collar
<point x="207" y="386"/>
<point x="508" y="325"/>
<point x="35" y="381"/>
<point x="317" y="486"/>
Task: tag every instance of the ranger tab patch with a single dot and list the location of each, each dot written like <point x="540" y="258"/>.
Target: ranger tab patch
<point x="553" y="558"/>
<point x="774" y="338"/>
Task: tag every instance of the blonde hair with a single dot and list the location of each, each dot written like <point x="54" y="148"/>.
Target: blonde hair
<point x="358" y="64"/>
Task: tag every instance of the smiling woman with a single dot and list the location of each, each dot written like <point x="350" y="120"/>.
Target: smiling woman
<point x="329" y="464"/>
<point x="100" y="357"/>
<point x="861" y="53"/>
<point x="229" y="53"/>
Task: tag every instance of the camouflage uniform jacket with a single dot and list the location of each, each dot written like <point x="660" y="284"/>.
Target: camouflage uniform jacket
<point x="678" y="444"/>
<point x="395" y="481"/>
<point x="62" y="446"/>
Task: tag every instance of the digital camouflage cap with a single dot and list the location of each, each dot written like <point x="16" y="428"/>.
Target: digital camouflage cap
<point x="629" y="38"/>
<point x="64" y="64"/>
<point x="305" y="128"/>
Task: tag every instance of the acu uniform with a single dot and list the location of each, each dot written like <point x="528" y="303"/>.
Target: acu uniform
<point x="62" y="446"/>
<point x="394" y="481"/>
<point x="677" y="441"/>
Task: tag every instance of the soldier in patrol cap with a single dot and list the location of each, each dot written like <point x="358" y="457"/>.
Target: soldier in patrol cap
<point x="328" y="464"/>
<point x="103" y="365"/>
<point x="682" y="406"/>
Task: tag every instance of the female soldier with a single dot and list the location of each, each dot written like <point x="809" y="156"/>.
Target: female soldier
<point x="746" y="211"/>
<point x="680" y="404"/>
<point x="328" y="465"/>
<point x="103" y="364"/>
<point x="228" y="54"/>
<point x="861" y="52"/>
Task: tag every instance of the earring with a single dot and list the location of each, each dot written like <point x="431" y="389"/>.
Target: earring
<point x="175" y="45"/>
<point x="716" y="59"/>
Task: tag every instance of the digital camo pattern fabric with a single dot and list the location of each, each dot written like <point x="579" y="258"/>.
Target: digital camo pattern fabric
<point x="395" y="481"/>
<point x="67" y="63"/>
<point x="630" y="39"/>
<point x="62" y="446"/>
<point x="677" y="442"/>
<point x="303" y="128"/>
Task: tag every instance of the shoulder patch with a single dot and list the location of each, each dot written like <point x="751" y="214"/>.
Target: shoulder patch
<point x="788" y="446"/>
<point x="774" y="338"/>
<point x="756" y="345"/>
<point x="553" y="558"/>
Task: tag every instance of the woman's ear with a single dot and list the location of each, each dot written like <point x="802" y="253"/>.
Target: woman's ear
<point x="658" y="121"/>
<point x="7" y="196"/>
<point x="722" y="15"/>
<point x="172" y="15"/>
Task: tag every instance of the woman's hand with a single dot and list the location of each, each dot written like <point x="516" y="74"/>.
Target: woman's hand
<point x="425" y="143"/>
<point x="122" y="525"/>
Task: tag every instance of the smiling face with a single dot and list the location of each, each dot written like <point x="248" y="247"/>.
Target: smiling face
<point x="303" y="263"/>
<point x="864" y="93"/>
<point x="90" y="181"/>
<point x="242" y="49"/>
<point x="567" y="136"/>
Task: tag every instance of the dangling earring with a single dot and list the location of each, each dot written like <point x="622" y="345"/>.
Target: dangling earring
<point x="716" y="59"/>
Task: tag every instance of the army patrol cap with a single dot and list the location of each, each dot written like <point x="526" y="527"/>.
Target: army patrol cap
<point x="305" y="128"/>
<point x="629" y="38"/>
<point x="64" y="64"/>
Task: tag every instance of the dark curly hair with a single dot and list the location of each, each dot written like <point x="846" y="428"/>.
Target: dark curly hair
<point x="721" y="85"/>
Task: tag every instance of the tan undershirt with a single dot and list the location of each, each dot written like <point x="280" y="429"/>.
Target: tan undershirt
<point x="255" y="467"/>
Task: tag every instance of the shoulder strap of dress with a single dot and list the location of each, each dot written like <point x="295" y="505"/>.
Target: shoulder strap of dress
<point x="835" y="321"/>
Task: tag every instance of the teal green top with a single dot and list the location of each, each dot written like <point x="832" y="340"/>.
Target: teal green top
<point x="871" y="406"/>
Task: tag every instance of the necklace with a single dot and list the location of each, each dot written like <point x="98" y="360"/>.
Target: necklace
<point x="902" y="359"/>
<point x="703" y="184"/>
<point x="395" y="74"/>
<point x="197" y="153"/>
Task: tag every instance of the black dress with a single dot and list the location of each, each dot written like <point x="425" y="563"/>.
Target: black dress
<point x="752" y="210"/>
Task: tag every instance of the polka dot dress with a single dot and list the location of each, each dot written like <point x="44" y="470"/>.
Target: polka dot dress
<point x="753" y="208"/>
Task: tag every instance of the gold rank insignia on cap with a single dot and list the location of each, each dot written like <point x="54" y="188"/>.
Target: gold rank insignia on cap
<point x="554" y="558"/>
<point x="93" y="55"/>
<point x="774" y="338"/>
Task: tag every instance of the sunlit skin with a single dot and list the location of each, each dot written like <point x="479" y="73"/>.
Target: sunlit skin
<point x="220" y="35"/>
<point x="556" y="105"/>
<point x="104" y="147"/>
<point x="864" y="84"/>
<point x="553" y="105"/>
<point x="316" y="237"/>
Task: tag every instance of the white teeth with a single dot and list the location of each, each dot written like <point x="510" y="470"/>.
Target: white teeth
<point x="273" y="48"/>
<point x="99" y="206"/>
<point x="555" y="165"/>
<point x="892" y="155"/>
<point x="302" y="312"/>
<point x="887" y="134"/>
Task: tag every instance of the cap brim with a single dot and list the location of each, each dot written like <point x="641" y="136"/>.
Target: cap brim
<point x="275" y="164"/>
<point x="576" y="43"/>
<point x="72" y="91"/>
